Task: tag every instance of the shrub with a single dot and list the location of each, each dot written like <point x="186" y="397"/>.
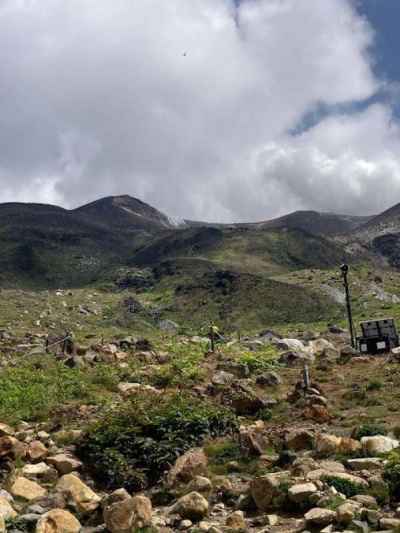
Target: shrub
<point x="133" y="445"/>
<point x="369" y="430"/>
<point x="374" y="384"/>
<point x="344" y="486"/>
<point x="392" y="475"/>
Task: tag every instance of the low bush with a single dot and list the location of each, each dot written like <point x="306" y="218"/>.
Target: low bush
<point x="344" y="486"/>
<point x="134" y="445"/>
<point x="392" y="474"/>
<point x="369" y="430"/>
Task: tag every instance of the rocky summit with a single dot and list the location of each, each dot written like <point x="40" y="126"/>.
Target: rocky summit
<point x="196" y="377"/>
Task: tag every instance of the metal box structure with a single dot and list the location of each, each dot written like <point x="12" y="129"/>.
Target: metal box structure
<point x="378" y="336"/>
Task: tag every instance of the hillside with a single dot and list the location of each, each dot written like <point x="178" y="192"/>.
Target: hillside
<point x="124" y="213"/>
<point x="326" y="224"/>
<point x="381" y="236"/>
<point x="50" y="246"/>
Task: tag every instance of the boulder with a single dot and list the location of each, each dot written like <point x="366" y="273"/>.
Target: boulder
<point x="222" y="378"/>
<point x="378" y="444"/>
<point x="64" y="463"/>
<point x="128" y="514"/>
<point x="266" y="490"/>
<point x="319" y="517"/>
<point x="192" y="506"/>
<point x="26" y="489"/>
<point x="269" y="379"/>
<point x="300" y="439"/>
<point x="78" y="494"/>
<point x="321" y="473"/>
<point x="252" y="438"/>
<point x="6" y="510"/>
<point x="289" y="345"/>
<point x="389" y="524"/>
<point x="347" y="512"/>
<point x="301" y="492"/>
<point x="192" y="463"/>
<point x="58" y="521"/>
<point x="200" y="484"/>
<point x="236" y="521"/>
<point x="365" y="463"/>
<point x="39" y="470"/>
<point x="37" y="451"/>
<point x="12" y="447"/>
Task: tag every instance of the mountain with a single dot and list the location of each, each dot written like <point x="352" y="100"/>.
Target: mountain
<point x="317" y="223"/>
<point x="381" y="235"/>
<point x="49" y="246"/>
<point x="124" y="212"/>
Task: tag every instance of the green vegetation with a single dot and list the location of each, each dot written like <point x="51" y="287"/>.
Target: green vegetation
<point x="263" y="359"/>
<point x="35" y="388"/>
<point x="344" y="486"/>
<point x="133" y="445"/>
<point x="369" y="430"/>
<point x="392" y="475"/>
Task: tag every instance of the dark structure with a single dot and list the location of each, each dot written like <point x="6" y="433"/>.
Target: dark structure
<point x="378" y="336"/>
<point x="345" y="270"/>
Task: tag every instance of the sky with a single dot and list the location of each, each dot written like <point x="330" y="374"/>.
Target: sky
<point x="218" y="110"/>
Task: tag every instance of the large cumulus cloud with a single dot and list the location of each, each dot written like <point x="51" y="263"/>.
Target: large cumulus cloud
<point x="189" y="105"/>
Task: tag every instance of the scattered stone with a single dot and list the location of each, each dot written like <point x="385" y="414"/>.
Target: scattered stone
<point x="191" y="464"/>
<point x="78" y="494"/>
<point x="192" y="506"/>
<point x="266" y="490"/>
<point x="319" y="517"/>
<point x="365" y="463"/>
<point x="26" y="489"/>
<point x="378" y="444"/>
<point x="269" y="379"/>
<point x="64" y="463"/>
<point x="300" y="440"/>
<point x="37" y="451"/>
<point x="236" y="521"/>
<point x="58" y="521"/>
<point x="301" y="492"/>
<point x="128" y="514"/>
<point x="6" y="510"/>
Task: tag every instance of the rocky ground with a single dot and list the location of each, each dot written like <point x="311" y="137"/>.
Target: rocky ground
<point x="160" y="434"/>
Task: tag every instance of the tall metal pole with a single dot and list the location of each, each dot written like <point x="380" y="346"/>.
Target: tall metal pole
<point x="345" y="270"/>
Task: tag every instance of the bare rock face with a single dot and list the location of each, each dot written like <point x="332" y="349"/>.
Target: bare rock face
<point x="58" y="521"/>
<point x="192" y="506"/>
<point x="128" y="514"/>
<point x="78" y="494"/>
<point x="191" y="464"/>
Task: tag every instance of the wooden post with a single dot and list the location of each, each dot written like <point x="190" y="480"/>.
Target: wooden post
<point x="306" y="378"/>
<point x="212" y="338"/>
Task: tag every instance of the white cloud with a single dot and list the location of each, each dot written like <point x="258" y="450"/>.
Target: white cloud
<point x="188" y="104"/>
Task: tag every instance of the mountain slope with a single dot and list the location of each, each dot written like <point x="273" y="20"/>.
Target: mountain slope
<point x="50" y="246"/>
<point x="317" y="223"/>
<point x="124" y="212"/>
